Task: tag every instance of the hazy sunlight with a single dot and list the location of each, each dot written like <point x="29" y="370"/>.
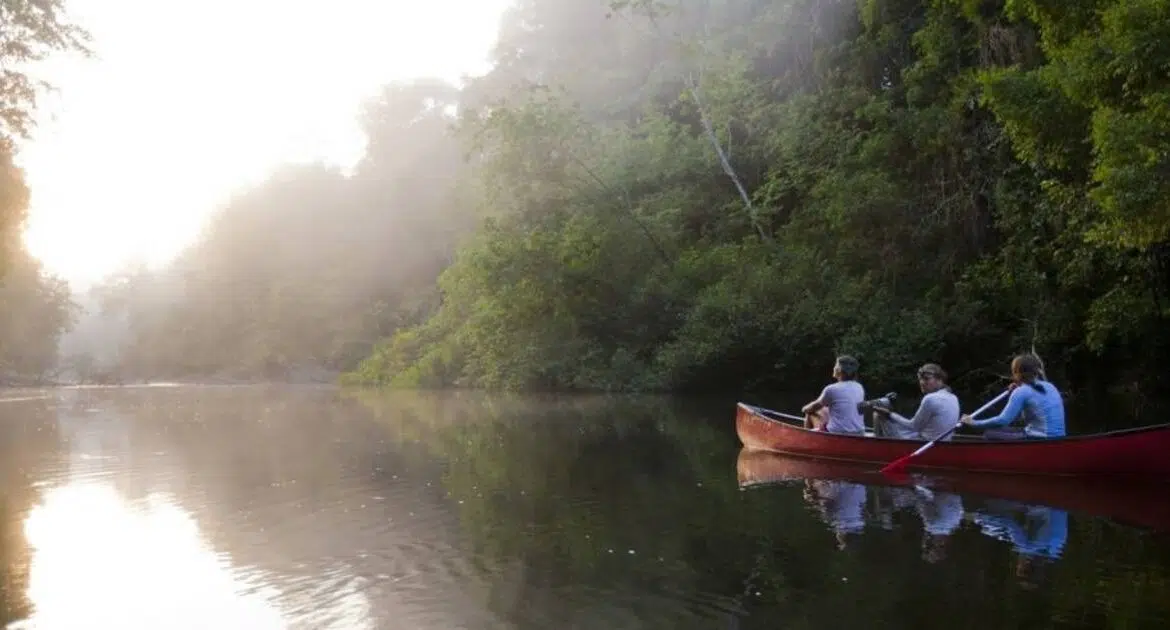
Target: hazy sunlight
<point x="188" y="102"/>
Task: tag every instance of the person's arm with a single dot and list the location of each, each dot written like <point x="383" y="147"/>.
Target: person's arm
<point x="816" y="405"/>
<point x="1014" y="406"/>
<point x="1007" y="528"/>
<point x="926" y="409"/>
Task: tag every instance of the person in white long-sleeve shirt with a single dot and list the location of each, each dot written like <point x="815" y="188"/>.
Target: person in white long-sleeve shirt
<point x="937" y="413"/>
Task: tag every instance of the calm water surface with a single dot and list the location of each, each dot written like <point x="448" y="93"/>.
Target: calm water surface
<point x="251" y="507"/>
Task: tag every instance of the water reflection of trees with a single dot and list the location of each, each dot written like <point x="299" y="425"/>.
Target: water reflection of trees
<point x="579" y="512"/>
<point x="559" y="489"/>
<point x="27" y="436"/>
<point x="573" y="487"/>
<point x="301" y="485"/>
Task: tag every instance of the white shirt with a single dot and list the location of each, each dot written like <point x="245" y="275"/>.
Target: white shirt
<point x="937" y="413"/>
<point x="841" y="399"/>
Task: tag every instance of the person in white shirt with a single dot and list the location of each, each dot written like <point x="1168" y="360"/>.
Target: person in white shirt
<point x="835" y="410"/>
<point x="937" y="413"/>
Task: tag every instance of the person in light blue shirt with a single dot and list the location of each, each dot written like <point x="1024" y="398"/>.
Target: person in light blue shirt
<point x="1044" y="532"/>
<point x="1038" y="400"/>
<point x="1039" y="541"/>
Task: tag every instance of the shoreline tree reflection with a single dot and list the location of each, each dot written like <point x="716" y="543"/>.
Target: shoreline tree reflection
<point x="611" y="500"/>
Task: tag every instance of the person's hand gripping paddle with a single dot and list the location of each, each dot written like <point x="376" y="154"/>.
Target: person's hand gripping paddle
<point x="899" y="465"/>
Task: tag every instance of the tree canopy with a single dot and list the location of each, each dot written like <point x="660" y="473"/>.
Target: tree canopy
<point x="35" y="307"/>
<point x="695" y="194"/>
<point x="737" y="190"/>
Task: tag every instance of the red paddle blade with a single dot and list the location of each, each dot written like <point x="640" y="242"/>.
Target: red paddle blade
<point x="897" y="466"/>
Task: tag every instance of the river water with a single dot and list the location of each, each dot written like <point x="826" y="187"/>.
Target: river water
<point x="303" y="507"/>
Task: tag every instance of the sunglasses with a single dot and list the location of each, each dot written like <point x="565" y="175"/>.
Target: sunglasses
<point x="923" y="375"/>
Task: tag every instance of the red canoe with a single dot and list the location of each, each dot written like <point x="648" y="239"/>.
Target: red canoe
<point x="1142" y="503"/>
<point x="1143" y="452"/>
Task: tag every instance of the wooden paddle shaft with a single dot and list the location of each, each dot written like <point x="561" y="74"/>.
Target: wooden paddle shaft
<point x="952" y="429"/>
<point x="991" y="402"/>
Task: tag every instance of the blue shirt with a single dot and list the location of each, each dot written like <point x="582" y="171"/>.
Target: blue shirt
<point x="1045" y="533"/>
<point x="1043" y="413"/>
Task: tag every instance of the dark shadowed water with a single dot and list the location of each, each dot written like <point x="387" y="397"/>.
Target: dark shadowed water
<point x="256" y="508"/>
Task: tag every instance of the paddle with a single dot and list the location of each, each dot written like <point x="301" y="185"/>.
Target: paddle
<point x="899" y="464"/>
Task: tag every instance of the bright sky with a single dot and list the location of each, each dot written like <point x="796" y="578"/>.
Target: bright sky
<point x="191" y="100"/>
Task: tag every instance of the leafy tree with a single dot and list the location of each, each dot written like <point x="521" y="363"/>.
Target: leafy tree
<point x="33" y="30"/>
<point x="697" y="194"/>
<point x="791" y="179"/>
<point x="35" y="307"/>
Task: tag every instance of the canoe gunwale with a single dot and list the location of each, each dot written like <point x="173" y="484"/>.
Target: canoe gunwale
<point x="1127" y="454"/>
<point x="761" y="412"/>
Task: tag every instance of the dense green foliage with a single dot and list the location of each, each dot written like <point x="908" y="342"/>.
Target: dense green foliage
<point x="35" y="307"/>
<point x="947" y="180"/>
<point x="693" y="194"/>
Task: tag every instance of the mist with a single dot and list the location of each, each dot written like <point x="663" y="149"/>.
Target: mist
<point x="298" y="277"/>
<point x="677" y="196"/>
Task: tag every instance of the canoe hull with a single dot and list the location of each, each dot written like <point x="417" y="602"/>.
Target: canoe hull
<point x="1143" y="453"/>
<point x="1140" y="504"/>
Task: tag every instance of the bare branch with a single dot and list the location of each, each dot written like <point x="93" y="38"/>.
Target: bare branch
<point x="652" y="10"/>
<point x="727" y="132"/>
<point x="724" y="161"/>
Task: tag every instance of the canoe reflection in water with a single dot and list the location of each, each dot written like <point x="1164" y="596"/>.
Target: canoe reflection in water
<point x="841" y="504"/>
<point x="941" y="514"/>
<point x="1033" y="518"/>
<point x="1037" y="533"/>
